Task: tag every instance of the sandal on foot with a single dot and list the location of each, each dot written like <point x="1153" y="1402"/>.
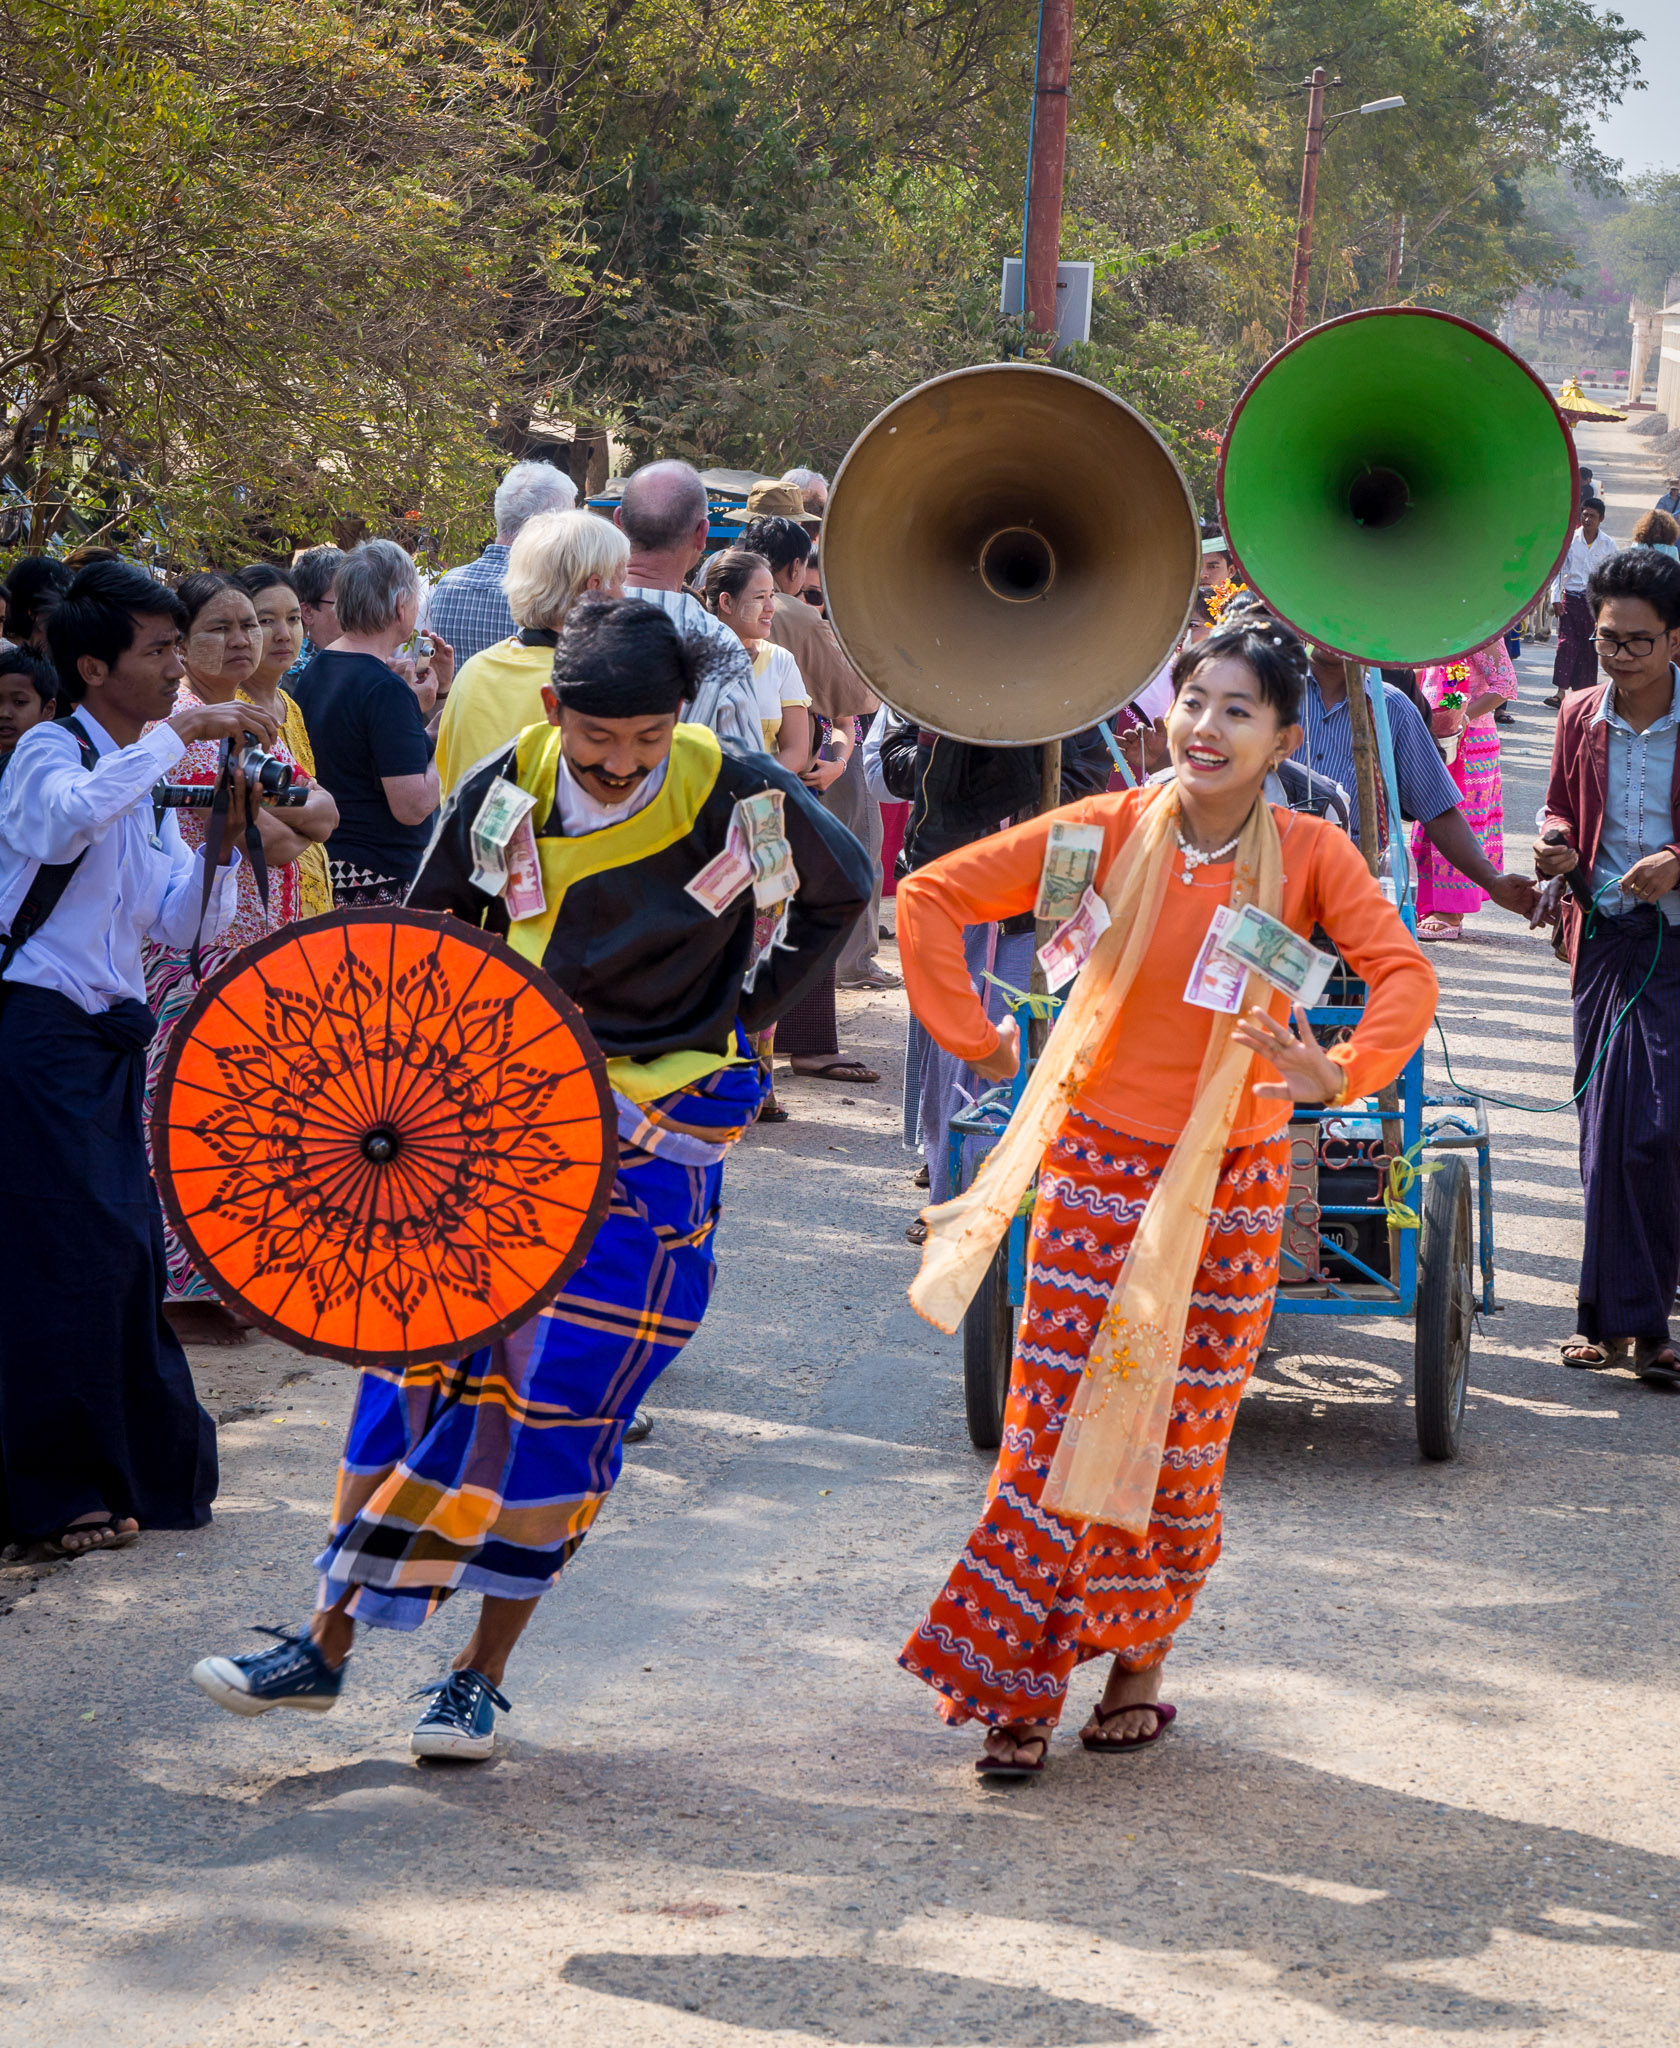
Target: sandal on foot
<point x="772" y="1113"/>
<point x="1011" y="1767"/>
<point x="102" y="1534"/>
<point x="839" y="1070"/>
<point x="1103" y="1745"/>
<point x="1587" y="1356"/>
<point x="1657" y="1366"/>
<point x="1434" y="929"/>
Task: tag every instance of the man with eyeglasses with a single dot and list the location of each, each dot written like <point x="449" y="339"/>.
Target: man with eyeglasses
<point x="1612" y="824"/>
<point x="315" y="578"/>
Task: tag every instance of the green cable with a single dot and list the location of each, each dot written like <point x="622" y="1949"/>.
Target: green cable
<point x="1569" y="1102"/>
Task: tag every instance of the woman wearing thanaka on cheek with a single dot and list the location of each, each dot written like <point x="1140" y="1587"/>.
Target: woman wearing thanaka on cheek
<point x="1155" y="1233"/>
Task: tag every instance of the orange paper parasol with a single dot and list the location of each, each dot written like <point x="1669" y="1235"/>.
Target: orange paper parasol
<point x="384" y="1136"/>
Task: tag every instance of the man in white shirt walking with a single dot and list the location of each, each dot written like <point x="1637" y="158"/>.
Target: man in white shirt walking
<point x="101" y="1433"/>
<point x="1575" y="666"/>
<point x="663" y="514"/>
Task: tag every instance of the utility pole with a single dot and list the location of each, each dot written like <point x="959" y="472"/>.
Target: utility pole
<point x="1046" y="163"/>
<point x="1309" y="195"/>
<point x="1042" y="246"/>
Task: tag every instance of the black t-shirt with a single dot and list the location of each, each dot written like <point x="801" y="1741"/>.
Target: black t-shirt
<point x="364" y="724"/>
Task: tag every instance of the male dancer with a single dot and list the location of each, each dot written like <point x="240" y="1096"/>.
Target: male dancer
<point x="1614" y="797"/>
<point x="485" y="1474"/>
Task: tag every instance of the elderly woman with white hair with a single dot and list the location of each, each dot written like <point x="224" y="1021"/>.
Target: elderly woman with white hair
<point x="557" y="558"/>
<point x="367" y="723"/>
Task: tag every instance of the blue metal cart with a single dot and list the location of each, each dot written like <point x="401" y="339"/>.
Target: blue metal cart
<point x="1379" y="1219"/>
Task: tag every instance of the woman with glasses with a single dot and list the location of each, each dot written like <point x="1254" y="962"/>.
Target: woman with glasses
<point x="224" y="655"/>
<point x="1462" y="696"/>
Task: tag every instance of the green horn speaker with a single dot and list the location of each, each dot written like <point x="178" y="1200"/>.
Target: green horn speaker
<point x="1398" y="485"/>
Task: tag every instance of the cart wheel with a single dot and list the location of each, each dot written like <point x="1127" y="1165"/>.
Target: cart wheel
<point x="988" y="1335"/>
<point x="1446" y="1307"/>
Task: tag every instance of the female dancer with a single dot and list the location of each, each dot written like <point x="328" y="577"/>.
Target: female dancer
<point x="1479" y="684"/>
<point x="1163" y="1187"/>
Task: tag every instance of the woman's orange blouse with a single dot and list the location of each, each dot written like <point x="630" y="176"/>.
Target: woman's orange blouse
<point x="1144" y="1079"/>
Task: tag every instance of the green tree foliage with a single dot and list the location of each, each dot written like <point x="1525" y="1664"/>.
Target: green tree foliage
<point x="254" y="264"/>
<point x="272" y="267"/>
<point x="1493" y="89"/>
<point x="800" y="212"/>
<point x="1640" y="244"/>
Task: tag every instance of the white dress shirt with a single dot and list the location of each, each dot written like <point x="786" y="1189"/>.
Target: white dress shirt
<point x="1580" y="562"/>
<point x="135" y="883"/>
<point x="581" y="813"/>
<point x="874" y="780"/>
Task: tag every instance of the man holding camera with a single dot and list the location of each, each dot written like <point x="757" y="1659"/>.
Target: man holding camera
<point x="100" y="1430"/>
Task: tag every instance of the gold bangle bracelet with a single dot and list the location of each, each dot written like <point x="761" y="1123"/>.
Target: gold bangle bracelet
<point x="1341" y="1095"/>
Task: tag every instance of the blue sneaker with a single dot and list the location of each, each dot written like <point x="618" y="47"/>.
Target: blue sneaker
<point x="292" y="1674"/>
<point x="461" y="1720"/>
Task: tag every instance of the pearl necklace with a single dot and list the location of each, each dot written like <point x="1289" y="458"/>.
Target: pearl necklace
<point x="1194" y="857"/>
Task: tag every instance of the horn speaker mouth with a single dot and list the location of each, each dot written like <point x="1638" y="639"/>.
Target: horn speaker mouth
<point x="1379" y="497"/>
<point x="1009" y="554"/>
<point x="1397" y="485"/>
<point x="1017" y="564"/>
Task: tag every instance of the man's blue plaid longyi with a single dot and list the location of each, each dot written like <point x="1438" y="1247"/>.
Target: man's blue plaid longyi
<point x="483" y="1474"/>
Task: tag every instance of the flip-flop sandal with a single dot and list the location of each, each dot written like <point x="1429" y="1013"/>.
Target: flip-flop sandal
<point x="1094" y="1740"/>
<point x="1661" y="1369"/>
<point x="106" y="1535"/>
<point x="1002" y="1767"/>
<point x="773" y="1113"/>
<point x="1586" y="1356"/>
<point x="1434" y="933"/>
<point x="840" y="1070"/>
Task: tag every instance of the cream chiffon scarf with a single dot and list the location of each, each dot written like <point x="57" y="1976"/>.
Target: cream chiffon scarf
<point x="1110" y="1452"/>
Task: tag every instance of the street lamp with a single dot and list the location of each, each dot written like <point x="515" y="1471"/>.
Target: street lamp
<point x="1316" y="125"/>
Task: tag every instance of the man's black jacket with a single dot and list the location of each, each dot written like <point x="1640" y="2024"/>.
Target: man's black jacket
<point x="958" y="792"/>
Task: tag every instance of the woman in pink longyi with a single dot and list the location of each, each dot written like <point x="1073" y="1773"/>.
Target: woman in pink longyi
<point x="1469" y="734"/>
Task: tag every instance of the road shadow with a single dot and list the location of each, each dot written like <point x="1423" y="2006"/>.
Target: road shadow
<point x="841" y="1999"/>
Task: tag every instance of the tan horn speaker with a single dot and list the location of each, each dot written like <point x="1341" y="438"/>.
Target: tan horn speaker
<point x="1009" y="554"/>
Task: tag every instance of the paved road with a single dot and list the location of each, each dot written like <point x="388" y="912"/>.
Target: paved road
<point x="1424" y="1787"/>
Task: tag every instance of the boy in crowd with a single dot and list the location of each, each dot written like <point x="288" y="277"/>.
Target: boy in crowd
<point x="28" y="697"/>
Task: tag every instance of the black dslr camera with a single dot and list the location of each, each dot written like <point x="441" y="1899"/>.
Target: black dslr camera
<point x="269" y="781"/>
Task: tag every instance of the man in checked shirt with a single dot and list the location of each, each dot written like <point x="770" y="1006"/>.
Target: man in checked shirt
<point x="468" y="608"/>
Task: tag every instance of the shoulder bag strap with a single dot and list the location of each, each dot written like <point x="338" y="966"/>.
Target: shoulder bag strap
<point x="51" y="878"/>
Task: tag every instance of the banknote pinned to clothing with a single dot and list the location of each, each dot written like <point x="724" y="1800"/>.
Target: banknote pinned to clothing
<point x="504" y="848"/>
<point x="1071" y="853"/>
<point x="755" y="851"/>
<point x="1069" y="946"/>
<point x="1267" y="946"/>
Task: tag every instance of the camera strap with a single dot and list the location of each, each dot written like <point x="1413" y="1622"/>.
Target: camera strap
<point x="215" y="836"/>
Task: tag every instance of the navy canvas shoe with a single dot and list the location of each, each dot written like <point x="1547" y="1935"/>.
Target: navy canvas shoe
<point x="292" y="1674"/>
<point x="461" y="1720"/>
